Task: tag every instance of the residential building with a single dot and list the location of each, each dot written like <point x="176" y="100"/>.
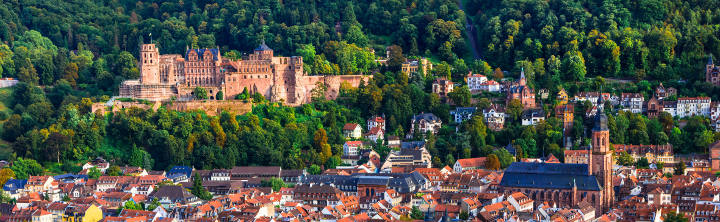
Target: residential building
<point x="495" y="117"/>
<point x="532" y="116"/>
<point x="351" y="151"/>
<point x="593" y="97"/>
<point x="693" y="106"/>
<point x="522" y="92"/>
<point x="462" y="165"/>
<point x="661" y="92"/>
<point x="490" y="86"/>
<point x="352" y="130"/>
<point x="407" y="156"/>
<point x="442" y="86"/>
<point x="670" y="107"/>
<point x="562" y="97"/>
<point x="577" y="156"/>
<point x="414" y="66"/>
<point x="425" y="123"/>
<point x="461" y="114"/>
<point x="376" y="121"/>
<point x="566" y="114"/>
<point x="474" y="81"/>
<point x="375" y="134"/>
<point x="98" y="163"/>
<point x="714" y="149"/>
<point x="654" y="107"/>
<point x="171" y="196"/>
<point x="653" y="153"/>
<point x="632" y="102"/>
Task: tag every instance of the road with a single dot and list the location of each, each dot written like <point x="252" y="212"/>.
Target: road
<point x="470" y="31"/>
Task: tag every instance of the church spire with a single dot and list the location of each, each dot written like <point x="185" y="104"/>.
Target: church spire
<point x="710" y="60"/>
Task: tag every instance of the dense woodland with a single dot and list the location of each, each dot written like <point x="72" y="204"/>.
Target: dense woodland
<point x="65" y="63"/>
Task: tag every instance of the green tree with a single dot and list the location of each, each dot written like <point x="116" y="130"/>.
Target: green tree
<point x="573" y="66"/>
<point x="200" y="93"/>
<point x="24" y="168"/>
<point x="514" y="109"/>
<point x="416" y="214"/>
<point x="673" y="217"/>
<point x="625" y="159"/>
<point x="220" y="95"/>
<point x="680" y="168"/>
<point x="461" y="96"/>
<point x="643" y="163"/>
<point x="94" y="173"/>
<point x="275" y="183"/>
<point x="198" y="190"/>
<point x="464" y="215"/>
<point x="314" y="170"/>
<point x="114" y="171"/>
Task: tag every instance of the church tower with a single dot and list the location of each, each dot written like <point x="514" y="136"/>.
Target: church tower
<point x="149" y="64"/>
<point x="600" y="164"/>
<point x="522" y="81"/>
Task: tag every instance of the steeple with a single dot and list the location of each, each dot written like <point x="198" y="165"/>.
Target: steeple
<point x="522" y="80"/>
<point x="710" y="61"/>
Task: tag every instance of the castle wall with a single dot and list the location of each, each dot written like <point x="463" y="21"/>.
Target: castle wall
<point x="212" y="107"/>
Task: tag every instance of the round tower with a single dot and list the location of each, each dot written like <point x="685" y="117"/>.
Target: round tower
<point x="149" y="64"/>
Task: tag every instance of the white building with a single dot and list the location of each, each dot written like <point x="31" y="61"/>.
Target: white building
<point x="426" y="123"/>
<point x="670" y="107"/>
<point x="494" y="116"/>
<point x="352" y="130"/>
<point x="532" y="116"/>
<point x="693" y="106"/>
<point x="463" y="113"/>
<point x="376" y="121"/>
<point x="352" y="148"/>
<point x="632" y="102"/>
<point x="490" y="86"/>
<point x="474" y="81"/>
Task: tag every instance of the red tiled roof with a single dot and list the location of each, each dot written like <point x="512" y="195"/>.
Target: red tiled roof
<point x="350" y="126"/>
<point x="472" y="162"/>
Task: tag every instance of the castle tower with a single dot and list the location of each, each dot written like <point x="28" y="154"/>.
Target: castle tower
<point x="264" y="52"/>
<point x="149" y="64"/>
<point x="600" y="163"/>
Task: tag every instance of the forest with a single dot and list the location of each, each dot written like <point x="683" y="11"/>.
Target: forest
<point x="66" y="63"/>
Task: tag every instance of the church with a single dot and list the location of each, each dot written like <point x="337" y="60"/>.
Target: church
<point x="165" y="77"/>
<point x="569" y="184"/>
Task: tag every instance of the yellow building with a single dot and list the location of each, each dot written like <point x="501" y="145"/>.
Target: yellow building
<point x="562" y="97"/>
<point x="83" y="213"/>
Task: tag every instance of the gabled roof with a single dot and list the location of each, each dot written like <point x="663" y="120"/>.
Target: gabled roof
<point x="350" y="126"/>
<point x="472" y="162"/>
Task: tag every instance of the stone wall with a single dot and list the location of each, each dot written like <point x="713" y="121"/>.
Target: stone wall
<point x="212" y="107"/>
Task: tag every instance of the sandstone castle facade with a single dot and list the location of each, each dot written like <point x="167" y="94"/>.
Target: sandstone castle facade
<point x="279" y="79"/>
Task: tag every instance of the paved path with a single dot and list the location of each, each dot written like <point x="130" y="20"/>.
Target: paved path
<point x="470" y="31"/>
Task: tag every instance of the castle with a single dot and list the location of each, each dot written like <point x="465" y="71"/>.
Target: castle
<point x="279" y="79"/>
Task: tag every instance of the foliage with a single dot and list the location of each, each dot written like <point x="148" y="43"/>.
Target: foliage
<point x="680" y="168"/>
<point x="200" y="93"/>
<point x="492" y="162"/>
<point x="198" y="190"/>
<point x="94" y="173"/>
<point x="5" y="175"/>
<point x="673" y="217"/>
<point x="24" y="168"/>
<point x="416" y="214"/>
<point x="275" y="183"/>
